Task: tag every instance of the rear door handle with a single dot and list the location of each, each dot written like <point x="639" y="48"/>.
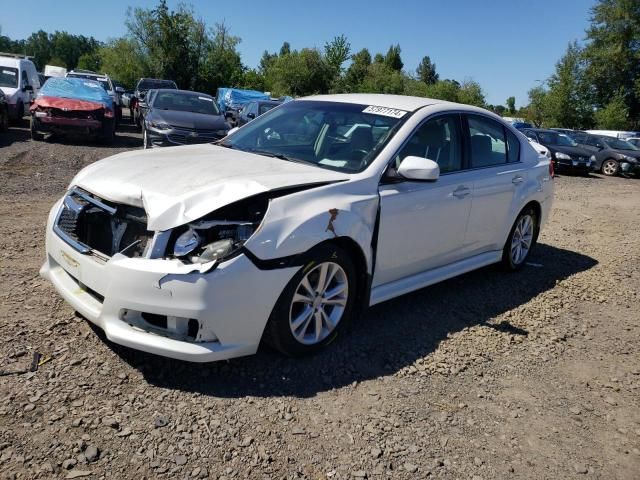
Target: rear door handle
<point x="517" y="180"/>
<point x="461" y="191"/>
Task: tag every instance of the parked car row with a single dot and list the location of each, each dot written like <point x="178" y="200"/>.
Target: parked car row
<point x="583" y="152"/>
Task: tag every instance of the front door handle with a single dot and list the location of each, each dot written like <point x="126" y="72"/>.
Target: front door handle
<point x="461" y="191"/>
<point x="517" y="180"/>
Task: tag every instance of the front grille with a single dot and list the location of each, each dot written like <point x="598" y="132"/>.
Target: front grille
<point x="88" y="223"/>
<point x="84" y="114"/>
<point x="186" y="136"/>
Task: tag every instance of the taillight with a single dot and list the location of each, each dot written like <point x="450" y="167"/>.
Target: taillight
<point x="551" y="169"/>
<point x="108" y="113"/>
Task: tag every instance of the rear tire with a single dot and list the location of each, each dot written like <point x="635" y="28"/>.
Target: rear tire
<point x="521" y="240"/>
<point x="316" y="305"/>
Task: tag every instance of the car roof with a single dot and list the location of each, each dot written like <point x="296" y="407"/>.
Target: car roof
<point x="401" y="102"/>
<point x="543" y="130"/>
<point x="188" y="92"/>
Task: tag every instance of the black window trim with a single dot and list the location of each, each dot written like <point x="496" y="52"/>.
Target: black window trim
<point x="463" y="149"/>
<point x="465" y="133"/>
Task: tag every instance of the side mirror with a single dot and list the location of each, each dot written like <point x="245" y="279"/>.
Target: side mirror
<point x="27" y="88"/>
<point x="120" y="90"/>
<point x="142" y="104"/>
<point x="420" y="169"/>
<point x="251" y="115"/>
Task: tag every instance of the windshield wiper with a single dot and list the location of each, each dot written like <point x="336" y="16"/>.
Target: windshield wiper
<point x="281" y="156"/>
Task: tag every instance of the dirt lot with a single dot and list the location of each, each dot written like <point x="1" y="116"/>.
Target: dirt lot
<point x="491" y="375"/>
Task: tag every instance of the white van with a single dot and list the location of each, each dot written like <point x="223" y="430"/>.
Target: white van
<point x="20" y="83"/>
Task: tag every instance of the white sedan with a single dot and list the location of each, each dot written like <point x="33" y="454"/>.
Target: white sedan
<point x="293" y="224"/>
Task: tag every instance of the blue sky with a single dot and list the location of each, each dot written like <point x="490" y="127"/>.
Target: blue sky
<point x="506" y="45"/>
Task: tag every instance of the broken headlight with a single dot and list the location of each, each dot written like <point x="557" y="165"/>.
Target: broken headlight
<point x="206" y="241"/>
<point x="217" y="235"/>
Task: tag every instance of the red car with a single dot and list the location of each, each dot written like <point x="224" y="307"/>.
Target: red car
<point x="73" y="106"/>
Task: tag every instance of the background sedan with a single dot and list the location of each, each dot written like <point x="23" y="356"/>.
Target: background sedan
<point x="180" y="117"/>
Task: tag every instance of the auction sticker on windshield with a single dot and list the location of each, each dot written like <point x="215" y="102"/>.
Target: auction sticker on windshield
<point x="9" y="72"/>
<point x="387" y="112"/>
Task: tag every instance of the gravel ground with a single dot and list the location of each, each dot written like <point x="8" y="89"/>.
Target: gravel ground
<point x="490" y="375"/>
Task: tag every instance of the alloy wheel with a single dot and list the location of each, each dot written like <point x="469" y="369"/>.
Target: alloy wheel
<point x="318" y="303"/>
<point x="522" y="239"/>
<point x="610" y="167"/>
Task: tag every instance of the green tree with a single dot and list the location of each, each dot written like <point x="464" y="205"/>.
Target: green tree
<point x="253" y="80"/>
<point x="299" y="73"/>
<point x="336" y="52"/>
<point x="38" y="45"/>
<point x="392" y="59"/>
<point x="471" y="93"/>
<point x="614" y="116"/>
<point x="535" y="111"/>
<point x="511" y="105"/>
<point x="426" y="71"/>
<point x="381" y="78"/>
<point x="612" y="54"/>
<point x="90" y="61"/>
<point x="123" y="61"/>
<point x="444" y="90"/>
<point x="285" y="49"/>
<point x="266" y="61"/>
<point x="356" y="72"/>
<point x="223" y="66"/>
<point x="567" y="101"/>
<point x="174" y="43"/>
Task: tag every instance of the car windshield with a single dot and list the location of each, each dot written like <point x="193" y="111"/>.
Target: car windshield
<point x="149" y="84"/>
<point x="185" y="102"/>
<point x="8" y="77"/>
<point x="553" y="138"/>
<point x="618" y="144"/>
<point x="265" y="107"/>
<point x="338" y="136"/>
<point x="101" y="80"/>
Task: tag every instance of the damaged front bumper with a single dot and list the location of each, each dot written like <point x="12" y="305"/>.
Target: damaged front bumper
<point x="151" y="305"/>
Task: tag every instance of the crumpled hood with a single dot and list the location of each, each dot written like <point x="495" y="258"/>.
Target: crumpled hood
<point x="177" y="185"/>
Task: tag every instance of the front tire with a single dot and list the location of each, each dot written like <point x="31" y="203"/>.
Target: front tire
<point x="521" y="240"/>
<point x="35" y="136"/>
<point x="610" y="167"/>
<point x="316" y="305"/>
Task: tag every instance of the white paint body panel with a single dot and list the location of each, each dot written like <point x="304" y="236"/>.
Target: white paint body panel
<point x="427" y="232"/>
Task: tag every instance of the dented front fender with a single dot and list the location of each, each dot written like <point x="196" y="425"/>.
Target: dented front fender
<point x="296" y="223"/>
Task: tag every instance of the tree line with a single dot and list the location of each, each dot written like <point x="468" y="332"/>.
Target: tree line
<point x="179" y="45"/>
<point x="596" y="83"/>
